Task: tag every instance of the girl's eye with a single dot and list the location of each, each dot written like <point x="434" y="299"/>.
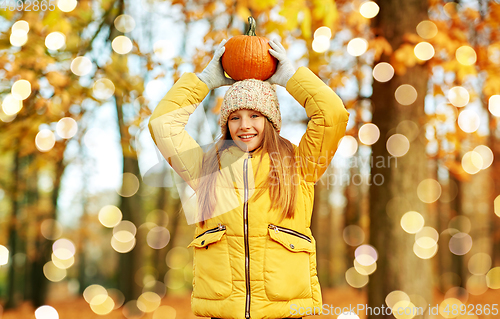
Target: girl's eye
<point x="255" y="115"/>
<point x="233" y="118"/>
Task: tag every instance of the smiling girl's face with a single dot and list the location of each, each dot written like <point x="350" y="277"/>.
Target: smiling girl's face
<point x="246" y="128"/>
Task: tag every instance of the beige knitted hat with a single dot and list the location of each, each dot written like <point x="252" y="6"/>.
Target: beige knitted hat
<point x="251" y="94"/>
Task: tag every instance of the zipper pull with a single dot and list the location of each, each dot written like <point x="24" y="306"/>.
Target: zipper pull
<point x="220" y="226"/>
<point x="276" y="230"/>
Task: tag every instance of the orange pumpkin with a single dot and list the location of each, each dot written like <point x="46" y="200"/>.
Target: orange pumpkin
<point x="247" y="56"/>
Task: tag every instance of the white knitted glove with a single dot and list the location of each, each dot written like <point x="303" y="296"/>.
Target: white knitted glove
<point x="285" y="69"/>
<point x="213" y="75"/>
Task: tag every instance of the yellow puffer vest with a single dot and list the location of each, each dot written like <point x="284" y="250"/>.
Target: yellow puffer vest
<point x="246" y="263"/>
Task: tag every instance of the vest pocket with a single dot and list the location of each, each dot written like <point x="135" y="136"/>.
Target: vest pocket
<point x="287" y="272"/>
<point x="212" y="270"/>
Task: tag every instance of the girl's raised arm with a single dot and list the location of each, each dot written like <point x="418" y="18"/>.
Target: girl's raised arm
<point x="327" y="124"/>
<point x="168" y="121"/>
<point x="326" y="110"/>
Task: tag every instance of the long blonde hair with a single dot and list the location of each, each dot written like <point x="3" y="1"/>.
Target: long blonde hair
<point x="283" y="190"/>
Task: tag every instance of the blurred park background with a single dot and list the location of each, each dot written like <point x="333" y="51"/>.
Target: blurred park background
<point x="91" y="220"/>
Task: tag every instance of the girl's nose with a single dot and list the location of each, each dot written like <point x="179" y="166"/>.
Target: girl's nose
<point x="245" y="122"/>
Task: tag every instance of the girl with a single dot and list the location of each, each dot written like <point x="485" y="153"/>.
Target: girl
<point x="254" y="254"/>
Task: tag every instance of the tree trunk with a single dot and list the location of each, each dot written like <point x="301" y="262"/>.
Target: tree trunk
<point x="352" y="211"/>
<point x="12" y="285"/>
<point x="398" y="267"/>
<point x="457" y="262"/>
<point x="494" y="144"/>
<point x="131" y="209"/>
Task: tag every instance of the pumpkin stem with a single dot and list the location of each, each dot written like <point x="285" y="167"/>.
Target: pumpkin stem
<point x="251" y="26"/>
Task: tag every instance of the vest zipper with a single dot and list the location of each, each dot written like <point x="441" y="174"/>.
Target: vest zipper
<point x="213" y="230"/>
<point x="245" y="233"/>
<point x="289" y="231"/>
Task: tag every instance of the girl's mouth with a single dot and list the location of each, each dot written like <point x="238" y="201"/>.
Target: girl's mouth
<point x="247" y="138"/>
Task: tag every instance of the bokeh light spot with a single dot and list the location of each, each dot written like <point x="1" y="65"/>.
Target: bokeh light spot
<point x="494" y="105"/>
<point x="125" y="23"/>
<point x="148" y="302"/>
<point x="365" y="270"/>
<point x="130" y="185"/>
<point x="45" y="140"/>
<point x="486" y="155"/>
<point x="369" y="134"/>
<point x="424" y="51"/>
<point x="93" y="291"/>
<point x="11" y="105"/>
<point x="406" y="94"/>
<point x="18" y="38"/>
<point x="21" y="25"/>
<point x="396" y="296"/>
<point x="123" y="247"/>
<point x="448" y="304"/>
<point x="51" y="229"/>
<point x="493" y="278"/>
<point x="427" y="237"/>
<point x="348" y="146"/>
<point x="466" y="55"/>
<point x="355" y="279"/>
<point x="177" y="257"/>
<point x="366" y="255"/>
<point x="353" y="235"/>
<point x="412" y="222"/>
<point x="81" y="66"/>
<point x="46" y="312"/>
<point x="53" y="273"/>
<point x="121" y="44"/>
<point x="102" y="304"/>
<point x="158" y="237"/>
<point x="55" y="40"/>
<point x="21" y="89"/>
<point x="63" y="248"/>
<point x="369" y="9"/>
<point x="63" y="263"/>
<point x="460" y="244"/>
<point x="496" y="205"/>
<point x="110" y="216"/>
<point x="479" y="264"/>
<point x="429" y="190"/>
<point x="458" y="96"/>
<point x="472" y="162"/>
<point x="398" y="145"/>
<point x="323" y="31"/>
<point x="460" y="223"/>
<point x="4" y="255"/>
<point x="427" y="29"/>
<point x="66" y="127"/>
<point x="357" y="46"/>
<point x="383" y="72"/>
<point x="476" y="285"/>
<point x="424" y="253"/>
<point x="103" y="89"/>
<point x="66" y="5"/>
<point x="125" y="231"/>
<point x="321" y="43"/>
